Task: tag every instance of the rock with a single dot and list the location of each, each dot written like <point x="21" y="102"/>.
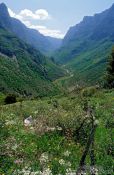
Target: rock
<point x="28" y="121"/>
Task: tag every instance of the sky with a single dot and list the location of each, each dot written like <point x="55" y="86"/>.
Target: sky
<point x="54" y="17"/>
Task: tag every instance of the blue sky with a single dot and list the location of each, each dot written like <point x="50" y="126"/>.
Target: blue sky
<point x="54" y="17"/>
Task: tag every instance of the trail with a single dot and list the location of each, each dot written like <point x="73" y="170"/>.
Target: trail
<point x="70" y="75"/>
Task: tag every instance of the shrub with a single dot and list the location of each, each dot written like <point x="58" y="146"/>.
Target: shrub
<point x="89" y="91"/>
<point x="110" y="71"/>
<point x="10" y="99"/>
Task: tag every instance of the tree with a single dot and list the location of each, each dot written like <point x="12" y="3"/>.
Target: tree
<point x="110" y="71"/>
<point x="10" y="99"/>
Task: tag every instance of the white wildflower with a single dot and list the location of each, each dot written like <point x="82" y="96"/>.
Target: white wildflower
<point x="68" y="164"/>
<point x="51" y="129"/>
<point x="46" y="172"/>
<point x="70" y="172"/>
<point x="14" y="147"/>
<point x="9" y="122"/>
<point x="44" y="158"/>
<point x="94" y="118"/>
<point x="35" y="112"/>
<point x="59" y="128"/>
<point x="62" y="162"/>
<point x="94" y="170"/>
<point x="67" y="153"/>
<point x="96" y="122"/>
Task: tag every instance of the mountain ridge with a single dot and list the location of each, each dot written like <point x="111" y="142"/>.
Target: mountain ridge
<point x="87" y="45"/>
<point x="30" y="36"/>
<point x="23" y="69"/>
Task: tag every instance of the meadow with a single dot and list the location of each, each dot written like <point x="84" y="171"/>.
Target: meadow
<point x="66" y="135"/>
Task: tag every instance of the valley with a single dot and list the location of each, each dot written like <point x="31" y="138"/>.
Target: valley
<point x="56" y="96"/>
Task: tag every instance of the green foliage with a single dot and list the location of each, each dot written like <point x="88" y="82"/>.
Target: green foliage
<point x="86" y="46"/>
<point x="110" y="71"/>
<point x="11" y="98"/>
<point x="34" y="149"/>
<point x="2" y="97"/>
<point x="24" y="70"/>
<point x="89" y="91"/>
<point x="89" y="66"/>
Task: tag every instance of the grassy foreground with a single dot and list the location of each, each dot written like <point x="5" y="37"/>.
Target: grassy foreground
<point x="55" y="141"/>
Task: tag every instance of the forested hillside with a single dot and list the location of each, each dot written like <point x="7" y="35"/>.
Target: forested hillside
<point x="86" y="46"/>
<point x="23" y="69"/>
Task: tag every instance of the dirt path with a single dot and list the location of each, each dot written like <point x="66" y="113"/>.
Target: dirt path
<point x="70" y="75"/>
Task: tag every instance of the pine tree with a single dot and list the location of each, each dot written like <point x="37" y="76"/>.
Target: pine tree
<point x="110" y="71"/>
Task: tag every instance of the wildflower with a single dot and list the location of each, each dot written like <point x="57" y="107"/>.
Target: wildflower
<point x="51" y="129"/>
<point x="68" y="164"/>
<point x="94" y="170"/>
<point x="44" y="158"/>
<point x="70" y="172"/>
<point x="19" y="161"/>
<point x="46" y="172"/>
<point x="96" y="122"/>
<point x="32" y="129"/>
<point x="62" y="162"/>
<point x="11" y="122"/>
<point x="35" y="112"/>
<point x="67" y="153"/>
<point x="14" y="147"/>
<point x="59" y="128"/>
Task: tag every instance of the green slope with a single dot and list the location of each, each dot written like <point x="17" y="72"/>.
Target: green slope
<point x="25" y="70"/>
<point x="86" y="46"/>
<point x="90" y="65"/>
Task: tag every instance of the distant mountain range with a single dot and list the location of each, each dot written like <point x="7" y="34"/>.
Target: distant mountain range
<point x="31" y="36"/>
<point x="86" y="46"/>
<point x="84" y="51"/>
<point x="23" y="69"/>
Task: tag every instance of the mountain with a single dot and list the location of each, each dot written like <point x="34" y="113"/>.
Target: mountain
<point x="23" y="69"/>
<point x="55" y="42"/>
<point x="30" y="36"/>
<point x="86" y="46"/>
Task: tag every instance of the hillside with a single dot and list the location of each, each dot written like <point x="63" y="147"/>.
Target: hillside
<point x="85" y="47"/>
<point x="57" y="137"/>
<point x="30" y="36"/>
<point x="23" y="69"/>
<point x="56" y="96"/>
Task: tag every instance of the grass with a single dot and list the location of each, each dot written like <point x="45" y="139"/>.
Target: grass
<point x="50" y="144"/>
<point x="88" y="64"/>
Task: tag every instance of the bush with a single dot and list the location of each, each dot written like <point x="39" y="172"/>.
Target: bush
<point x="2" y="97"/>
<point x="89" y="91"/>
<point x="10" y="99"/>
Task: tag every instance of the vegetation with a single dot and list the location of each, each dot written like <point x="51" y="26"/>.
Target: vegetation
<point x="24" y="70"/>
<point x="86" y="47"/>
<point x="59" y="121"/>
<point x="58" y="136"/>
<point x="110" y="71"/>
<point x="10" y="99"/>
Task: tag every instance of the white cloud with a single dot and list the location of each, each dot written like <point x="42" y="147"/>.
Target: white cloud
<point x="27" y="15"/>
<point x="47" y="32"/>
<point x="12" y="14"/>
<point x="40" y="14"/>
